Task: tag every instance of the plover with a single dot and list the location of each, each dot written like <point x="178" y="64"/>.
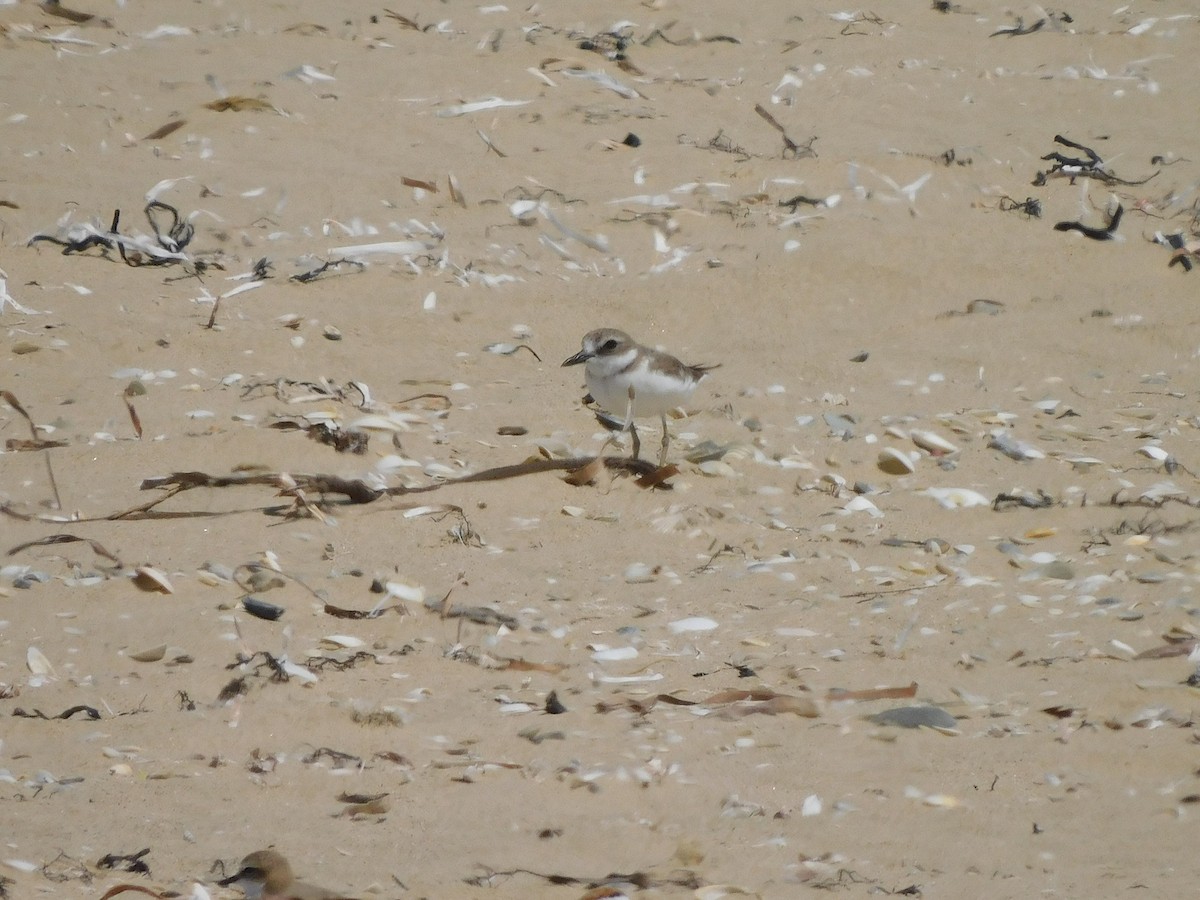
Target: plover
<point x="266" y="875"/>
<point x="625" y="377"/>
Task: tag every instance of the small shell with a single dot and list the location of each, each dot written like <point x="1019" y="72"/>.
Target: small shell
<point x="862" y="504"/>
<point x="957" y="498"/>
<point x="716" y="468"/>
<point x="393" y="422"/>
<point x="1084" y="463"/>
<point x="1152" y="452"/>
<point x="149" y="579"/>
<point x="640" y="573"/>
<point x="893" y="462"/>
<point x="614" y="654"/>
<point x="932" y="442"/>
<point x="692" y="624"/>
<point x="523" y="211"/>
<point x="943" y="801"/>
<point x="262" y="609"/>
<point x="408" y="592"/>
<point x="300" y="673"/>
<point x="151" y="654"/>
<point x="37" y="662"/>
<point x="343" y="641"/>
<point x="917" y="717"/>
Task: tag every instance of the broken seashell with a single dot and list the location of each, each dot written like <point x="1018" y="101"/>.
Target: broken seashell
<point x="410" y="593"/>
<point x="932" y="442"/>
<point x="893" y="462"/>
<point x="153" y="654"/>
<point x="641" y="573"/>
<point x="149" y="579"/>
<point x="37" y="662"/>
<point x="343" y="641"/>
<point x="692" y="624"/>
<point x="917" y="717"/>
<point x="956" y="498"/>
<point x="262" y="609"/>
<point x="601" y="653"/>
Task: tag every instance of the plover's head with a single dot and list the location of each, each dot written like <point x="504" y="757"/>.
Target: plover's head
<point x="602" y="344"/>
<point x="263" y="873"/>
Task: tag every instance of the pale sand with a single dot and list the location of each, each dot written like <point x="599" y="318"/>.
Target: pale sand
<point x="1085" y="806"/>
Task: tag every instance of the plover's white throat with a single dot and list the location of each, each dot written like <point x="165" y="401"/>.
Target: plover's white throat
<point x="266" y="875"/>
<point x="625" y="378"/>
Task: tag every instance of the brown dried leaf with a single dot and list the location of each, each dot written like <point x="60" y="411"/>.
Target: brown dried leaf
<point x="1166" y="651"/>
<point x="522" y="665"/>
<point x="239" y="104"/>
<point x="418" y="183"/>
<point x="585" y="474"/>
<point x="403" y="20"/>
<point x="394" y="757"/>
<point x="895" y="693"/>
<point x="122" y="888"/>
<point x="10" y="398"/>
<point x="55" y="8"/>
<point x="339" y="613"/>
<point x="347" y="797"/>
<point x="675" y="701"/>
<point x="782" y="703"/>
<point x="457" y="195"/>
<point x="658" y="476"/>
<point x="97" y="548"/>
<point x="18" y="445"/>
<point x="377" y="807"/>
<point x="133" y="416"/>
<point x="1060" y="712"/>
<point x="641" y="707"/>
<point x="735" y="696"/>
<point x="163" y="131"/>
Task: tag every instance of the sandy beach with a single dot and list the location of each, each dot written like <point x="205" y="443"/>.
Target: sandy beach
<point x="945" y="474"/>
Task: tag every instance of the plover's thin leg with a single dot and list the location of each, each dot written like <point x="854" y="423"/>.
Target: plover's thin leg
<point x="666" y="442"/>
<point x="637" y="444"/>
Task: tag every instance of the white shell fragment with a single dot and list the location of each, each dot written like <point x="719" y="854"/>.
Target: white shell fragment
<point x="692" y="624"/>
<point x="465" y="109"/>
<point x="957" y="498"/>
<point x="614" y="654"/>
<point x="640" y="573"/>
<point x="343" y="641"/>
<point x="932" y="442"/>
<point x="37" y="662"/>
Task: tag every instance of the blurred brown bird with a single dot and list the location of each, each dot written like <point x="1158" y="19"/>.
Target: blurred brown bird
<point x="266" y="875"/>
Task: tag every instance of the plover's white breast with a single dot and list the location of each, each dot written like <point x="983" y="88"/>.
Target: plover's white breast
<point x="655" y="391"/>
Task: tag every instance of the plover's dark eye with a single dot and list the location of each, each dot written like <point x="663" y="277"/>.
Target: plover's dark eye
<point x="609" y="345"/>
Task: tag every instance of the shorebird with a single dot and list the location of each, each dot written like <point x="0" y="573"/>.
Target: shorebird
<point x="266" y="875"/>
<point x="622" y="375"/>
